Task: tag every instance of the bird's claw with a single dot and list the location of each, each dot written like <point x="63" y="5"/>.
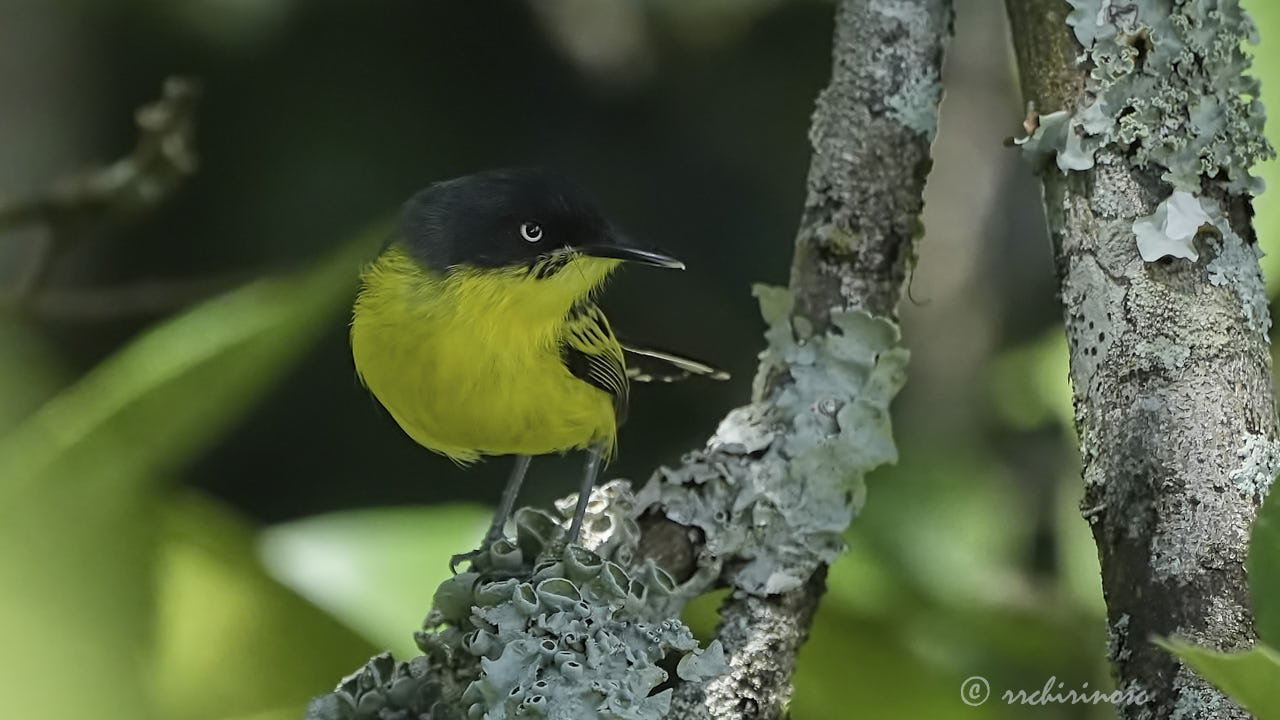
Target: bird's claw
<point x="465" y="557"/>
<point x="487" y="543"/>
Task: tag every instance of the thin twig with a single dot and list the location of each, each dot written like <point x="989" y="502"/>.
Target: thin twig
<point x="154" y="297"/>
<point x="163" y="157"/>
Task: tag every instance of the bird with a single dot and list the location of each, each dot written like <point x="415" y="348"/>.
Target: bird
<point x="476" y="327"/>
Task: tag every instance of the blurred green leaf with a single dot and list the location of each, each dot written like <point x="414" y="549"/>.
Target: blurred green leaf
<point x="928" y="524"/>
<point x="169" y="393"/>
<point x="1079" y="573"/>
<point x="232" y="641"/>
<point x="376" y="570"/>
<point x="1264" y="570"/>
<point x="77" y="483"/>
<point x="1266" y="67"/>
<point x="1030" y="386"/>
<point x="75" y="575"/>
<point x="850" y="663"/>
<point x="1250" y="678"/>
<point x="29" y="372"/>
<point x="702" y="614"/>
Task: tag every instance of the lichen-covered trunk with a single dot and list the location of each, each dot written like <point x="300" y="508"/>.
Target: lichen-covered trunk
<point x="1166" y="318"/>
<point x="1174" y="408"/>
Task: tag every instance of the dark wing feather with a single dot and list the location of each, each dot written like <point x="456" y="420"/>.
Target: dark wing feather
<point x="650" y="365"/>
<point x="593" y="354"/>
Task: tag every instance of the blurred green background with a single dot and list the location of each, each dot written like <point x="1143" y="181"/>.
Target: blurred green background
<point x="204" y="517"/>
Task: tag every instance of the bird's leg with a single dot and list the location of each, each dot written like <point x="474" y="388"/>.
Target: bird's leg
<point x="508" y="501"/>
<point x="584" y="492"/>
<point x="505" y="505"/>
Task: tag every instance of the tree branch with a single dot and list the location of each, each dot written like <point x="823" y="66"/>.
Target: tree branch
<point x="162" y="158"/>
<point x="1153" y="136"/>
<point x="154" y="297"/>
<point x="872" y="132"/>
<point x="763" y="507"/>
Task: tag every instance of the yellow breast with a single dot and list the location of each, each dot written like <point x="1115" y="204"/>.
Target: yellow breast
<point x="469" y="364"/>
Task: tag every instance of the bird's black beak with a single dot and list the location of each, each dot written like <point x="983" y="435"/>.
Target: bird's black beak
<point x="631" y="254"/>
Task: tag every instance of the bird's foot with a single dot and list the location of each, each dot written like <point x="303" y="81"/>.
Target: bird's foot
<point x="470" y="557"/>
<point x="485" y="573"/>
<point x="486" y="546"/>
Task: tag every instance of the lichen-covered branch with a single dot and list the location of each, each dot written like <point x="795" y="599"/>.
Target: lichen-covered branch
<point x="1148" y="134"/>
<point x="834" y="360"/>
<point x="871" y="135"/>
<point x="592" y="632"/>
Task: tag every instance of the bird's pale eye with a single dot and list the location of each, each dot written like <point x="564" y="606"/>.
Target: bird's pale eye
<point x="531" y="231"/>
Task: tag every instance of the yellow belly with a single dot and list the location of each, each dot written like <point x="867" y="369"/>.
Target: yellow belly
<point x="468" y="382"/>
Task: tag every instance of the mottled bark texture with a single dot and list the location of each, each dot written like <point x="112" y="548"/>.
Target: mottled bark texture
<point x="872" y="132"/>
<point x="762" y="508"/>
<point x="1171" y="377"/>
<point x="871" y="135"/>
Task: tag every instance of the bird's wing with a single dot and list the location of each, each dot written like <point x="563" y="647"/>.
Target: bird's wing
<point x="649" y="365"/>
<point x="593" y="354"/>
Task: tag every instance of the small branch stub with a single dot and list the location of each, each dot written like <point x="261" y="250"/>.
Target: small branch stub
<point x="164" y="156"/>
<point x="162" y="159"/>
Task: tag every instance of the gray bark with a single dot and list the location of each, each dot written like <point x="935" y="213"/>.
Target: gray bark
<point x="762" y="508"/>
<point x="872" y="132"/>
<point x="1171" y="375"/>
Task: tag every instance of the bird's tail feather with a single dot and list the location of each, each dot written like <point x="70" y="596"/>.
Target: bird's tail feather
<point x="646" y="364"/>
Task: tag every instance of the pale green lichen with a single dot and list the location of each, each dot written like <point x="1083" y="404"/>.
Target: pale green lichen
<point x="1118" y="640"/>
<point x="1063" y="137"/>
<point x="570" y="636"/>
<point x="1259" y="464"/>
<point x="383" y="686"/>
<point x="1196" y="698"/>
<point x="1168" y="83"/>
<point x="703" y="665"/>
<point x="1236" y="266"/>
<point x="542" y="631"/>
<point x="1172" y="228"/>
<point x="914" y="99"/>
<point x="570" y="650"/>
<point x="1167" y="87"/>
<point x="798" y="483"/>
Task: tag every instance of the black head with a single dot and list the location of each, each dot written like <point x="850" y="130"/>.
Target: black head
<point x="509" y="218"/>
